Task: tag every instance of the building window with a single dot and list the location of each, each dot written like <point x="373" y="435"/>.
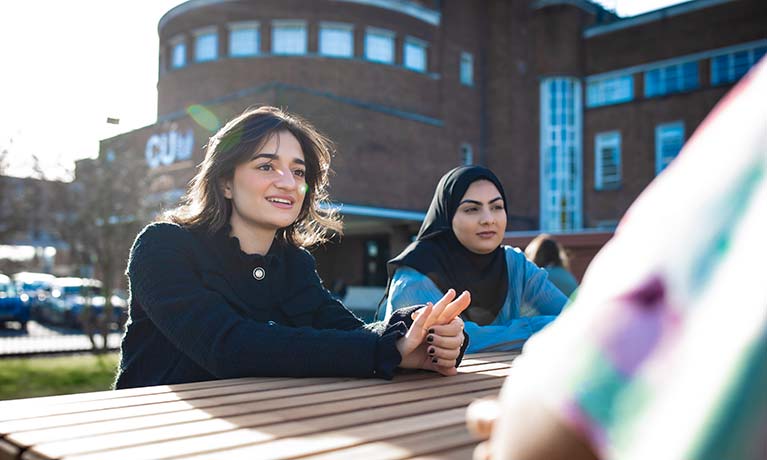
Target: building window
<point x="467" y="154"/>
<point x="206" y="45"/>
<point x="467" y="69"/>
<point x="244" y="39"/>
<point x="669" y="138"/>
<point x="415" y="54"/>
<point x="178" y="53"/>
<point x="336" y="40"/>
<point x="289" y="37"/>
<point x="607" y="160"/>
<point x="606" y="91"/>
<point x="561" y="154"/>
<point x="379" y="46"/>
<point x="730" y="67"/>
<point x="671" y="79"/>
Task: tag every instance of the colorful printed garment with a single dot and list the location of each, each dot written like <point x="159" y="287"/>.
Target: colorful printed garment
<point x="663" y="355"/>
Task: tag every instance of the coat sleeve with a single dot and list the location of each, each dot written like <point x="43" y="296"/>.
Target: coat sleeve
<point x="201" y="324"/>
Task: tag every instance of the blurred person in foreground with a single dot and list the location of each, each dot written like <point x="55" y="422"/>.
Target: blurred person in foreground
<point x="460" y="246"/>
<point x="546" y="253"/>
<point x="664" y="357"/>
<point x="223" y="286"/>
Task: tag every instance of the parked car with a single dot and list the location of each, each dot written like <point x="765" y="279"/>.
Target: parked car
<point x="37" y="286"/>
<point x="14" y="305"/>
<point x="73" y="298"/>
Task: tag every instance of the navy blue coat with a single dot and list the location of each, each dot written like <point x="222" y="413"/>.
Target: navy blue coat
<point x="202" y="309"/>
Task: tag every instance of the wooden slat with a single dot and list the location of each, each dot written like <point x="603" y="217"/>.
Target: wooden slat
<point x="278" y="398"/>
<point x="48" y="401"/>
<point x="459" y="453"/>
<point x="422" y="443"/>
<point x="221" y="424"/>
<point x="258" y="418"/>
<point x="334" y="439"/>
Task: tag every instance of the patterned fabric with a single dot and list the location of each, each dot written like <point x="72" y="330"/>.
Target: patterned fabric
<point x="663" y="355"/>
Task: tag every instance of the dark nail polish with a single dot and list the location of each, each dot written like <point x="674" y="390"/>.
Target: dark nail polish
<point x="431" y="350"/>
<point x="434" y="360"/>
<point x="430" y="339"/>
<point x="431" y="331"/>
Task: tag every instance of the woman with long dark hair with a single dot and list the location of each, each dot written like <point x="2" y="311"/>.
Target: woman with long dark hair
<point x="459" y="247"/>
<point x="222" y="287"/>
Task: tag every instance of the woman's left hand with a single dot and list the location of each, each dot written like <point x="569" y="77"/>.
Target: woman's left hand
<point x="434" y="340"/>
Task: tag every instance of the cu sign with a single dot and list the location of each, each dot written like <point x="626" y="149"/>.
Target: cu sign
<point x="169" y="147"/>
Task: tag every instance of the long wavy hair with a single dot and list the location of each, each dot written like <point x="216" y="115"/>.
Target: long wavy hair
<point x="206" y="207"/>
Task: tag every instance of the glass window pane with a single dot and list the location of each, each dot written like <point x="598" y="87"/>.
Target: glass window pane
<point x="336" y="41"/>
<point x="415" y="56"/>
<point x="379" y="47"/>
<point x="652" y="83"/>
<point x="289" y="39"/>
<point x="467" y="69"/>
<point x="690" y="75"/>
<point x="206" y="47"/>
<point x="179" y="55"/>
<point x="671" y="80"/>
<point x="740" y="64"/>
<point x="244" y="42"/>
<point x="719" y="69"/>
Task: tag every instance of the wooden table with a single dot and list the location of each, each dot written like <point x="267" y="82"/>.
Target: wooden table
<point x="417" y="415"/>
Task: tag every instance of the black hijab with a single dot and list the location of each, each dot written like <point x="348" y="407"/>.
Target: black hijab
<point x="438" y="254"/>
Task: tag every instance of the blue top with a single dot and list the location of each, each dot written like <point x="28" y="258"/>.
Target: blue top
<point x="562" y="279"/>
<point x="532" y="302"/>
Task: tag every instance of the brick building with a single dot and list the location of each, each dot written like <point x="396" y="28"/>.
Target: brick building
<point x="575" y="109"/>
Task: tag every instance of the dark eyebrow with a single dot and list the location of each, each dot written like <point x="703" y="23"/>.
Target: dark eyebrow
<point x="479" y="203"/>
<point x="274" y="156"/>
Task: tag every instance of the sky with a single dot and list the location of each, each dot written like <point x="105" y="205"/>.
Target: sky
<point x="67" y="65"/>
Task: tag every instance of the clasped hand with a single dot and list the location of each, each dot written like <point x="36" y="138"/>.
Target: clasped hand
<point x="434" y="340"/>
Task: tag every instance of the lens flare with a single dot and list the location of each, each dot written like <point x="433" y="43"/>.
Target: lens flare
<point x="203" y="117"/>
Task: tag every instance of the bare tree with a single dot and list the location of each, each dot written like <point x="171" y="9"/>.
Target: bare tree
<point x="106" y="214"/>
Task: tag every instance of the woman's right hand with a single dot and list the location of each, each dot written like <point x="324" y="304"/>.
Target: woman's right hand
<point x="443" y="316"/>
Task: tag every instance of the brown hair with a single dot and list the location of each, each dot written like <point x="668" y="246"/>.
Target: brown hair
<point x="205" y="205"/>
<point x="544" y="251"/>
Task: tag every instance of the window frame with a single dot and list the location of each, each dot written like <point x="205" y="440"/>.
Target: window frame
<point x="754" y="54"/>
<point x="175" y="42"/>
<point x="466" y="68"/>
<point x="205" y="32"/>
<point x="278" y="24"/>
<point x="662" y="131"/>
<point x="670" y="79"/>
<point x="602" y="140"/>
<point x="467" y="153"/>
<point x="338" y="27"/>
<point x="601" y="92"/>
<point x="386" y="34"/>
<point x="415" y="43"/>
<point x="234" y="27"/>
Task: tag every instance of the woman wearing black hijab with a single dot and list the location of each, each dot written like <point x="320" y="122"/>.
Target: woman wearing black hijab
<point x="459" y="247"/>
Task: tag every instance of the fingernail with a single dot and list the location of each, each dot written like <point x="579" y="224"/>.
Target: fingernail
<point x="430" y="339"/>
<point x="431" y="331"/>
<point x="431" y="350"/>
<point x="434" y="360"/>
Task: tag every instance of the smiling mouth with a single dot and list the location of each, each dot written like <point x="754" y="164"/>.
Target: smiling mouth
<point x="280" y="201"/>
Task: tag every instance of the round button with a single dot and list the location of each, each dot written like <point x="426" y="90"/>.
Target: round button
<point x="259" y="273"/>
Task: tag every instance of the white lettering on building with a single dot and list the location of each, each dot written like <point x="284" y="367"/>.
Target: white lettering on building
<point x="169" y="147"/>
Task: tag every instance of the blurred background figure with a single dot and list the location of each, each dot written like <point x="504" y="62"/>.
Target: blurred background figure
<point x="662" y="357"/>
<point x="546" y="253"/>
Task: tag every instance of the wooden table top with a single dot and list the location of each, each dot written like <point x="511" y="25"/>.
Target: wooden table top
<point x="416" y="415"/>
